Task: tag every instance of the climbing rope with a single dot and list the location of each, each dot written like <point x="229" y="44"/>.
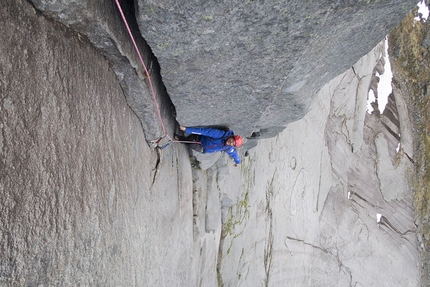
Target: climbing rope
<point x="148" y="75"/>
<point x="144" y="67"/>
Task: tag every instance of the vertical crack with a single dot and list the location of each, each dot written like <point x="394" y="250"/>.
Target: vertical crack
<point x="268" y="251"/>
<point x="157" y="166"/>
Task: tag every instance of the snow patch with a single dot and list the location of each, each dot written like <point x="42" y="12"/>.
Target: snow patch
<point x="378" y="217"/>
<point x="398" y="148"/>
<point x="423" y="9"/>
<point x="384" y="85"/>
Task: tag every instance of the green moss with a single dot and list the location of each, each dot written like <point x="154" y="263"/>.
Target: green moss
<point x="194" y="163"/>
<point x="238" y="214"/>
<point x="219" y="278"/>
<point x="411" y="65"/>
<point x="411" y="60"/>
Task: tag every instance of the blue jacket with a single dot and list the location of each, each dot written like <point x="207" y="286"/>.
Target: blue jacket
<point x="213" y="140"/>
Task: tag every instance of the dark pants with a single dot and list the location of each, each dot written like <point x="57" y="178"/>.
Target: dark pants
<point x="193" y="141"/>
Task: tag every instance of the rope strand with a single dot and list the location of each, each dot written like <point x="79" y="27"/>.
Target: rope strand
<point x="144" y="67"/>
<point x="149" y="78"/>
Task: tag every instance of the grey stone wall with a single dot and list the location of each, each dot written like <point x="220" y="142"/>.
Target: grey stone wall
<point x="254" y="66"/>
<point x="257" y="65"/>
<point x="328" y="202"/>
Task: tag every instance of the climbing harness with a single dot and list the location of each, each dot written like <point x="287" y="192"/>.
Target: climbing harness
<point x="148" y="74"/>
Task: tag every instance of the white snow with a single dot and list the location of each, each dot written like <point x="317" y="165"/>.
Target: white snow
<point x="378" y="217"/>
<point x="424" y="10"/>
<point x="384" y="86"/>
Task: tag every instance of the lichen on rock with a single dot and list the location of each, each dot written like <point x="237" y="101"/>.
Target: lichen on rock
<point x="410" y="54"/>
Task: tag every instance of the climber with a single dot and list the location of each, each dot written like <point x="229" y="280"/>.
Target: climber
<point x="209" y="140"/>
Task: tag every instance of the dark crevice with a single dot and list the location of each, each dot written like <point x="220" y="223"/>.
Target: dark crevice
<point x="167" y="108"/>
<point x="157" y="165"/>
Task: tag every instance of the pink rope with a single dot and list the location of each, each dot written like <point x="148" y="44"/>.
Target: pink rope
<point x="144" y="67"/>
<point x="149" y="78"/>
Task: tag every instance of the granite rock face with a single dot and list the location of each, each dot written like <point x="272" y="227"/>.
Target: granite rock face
<point x="102" y="24"/>
<point x="257" y="65"/>
<point x="328" y="202"/>
<point x="85" y="201"/>
<point x="254" y="66"/>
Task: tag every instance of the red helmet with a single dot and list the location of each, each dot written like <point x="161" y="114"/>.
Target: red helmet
<point x="238" y="141"/>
